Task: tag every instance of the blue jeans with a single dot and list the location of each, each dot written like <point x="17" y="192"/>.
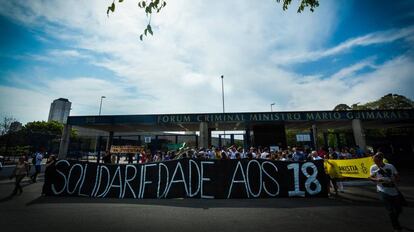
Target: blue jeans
<point x="394" y="208"/>
<point x="38" y="168"/>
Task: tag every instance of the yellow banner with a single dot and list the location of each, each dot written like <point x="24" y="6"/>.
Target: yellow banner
<point x="355" y="168"/>
<point x="125" y="149"/>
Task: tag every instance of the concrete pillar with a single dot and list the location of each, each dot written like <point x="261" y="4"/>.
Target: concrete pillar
<point x="325" y="140"/>
<point x="209" y="136"/>
<point x="359" y="134"/>
<point x="64" y="142"/>
<point x="98" y="149"/>
<point x="109" y="141"/>
<point x="315" y="137"/>
<point x="338" y="139"/>
<point x="203" y="142"/>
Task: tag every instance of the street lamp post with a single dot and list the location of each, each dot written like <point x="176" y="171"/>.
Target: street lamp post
<point x="271" y="107"/>
<point x="100" y="106"/>
<point x="222" y="98"/>
<point x="96" y="140"/>
<point x="222" y="91"/>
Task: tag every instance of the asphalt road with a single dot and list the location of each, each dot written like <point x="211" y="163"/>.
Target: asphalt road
<point x="358" y="209"/>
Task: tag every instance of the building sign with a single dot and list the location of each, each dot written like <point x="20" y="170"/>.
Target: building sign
<point x="303" y="138"/>
<point x="188" y="178"/>
<point x="125" y="149"/>
<point x="286" y="116"/>
<point x="147" y="139"/>
<point x="379" y="115"/>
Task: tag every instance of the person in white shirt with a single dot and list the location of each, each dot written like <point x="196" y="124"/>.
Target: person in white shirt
<point x="265" y="154"/>
<point x="233" y="152"/>
<point x="385" y="176"/>
<point x="315" y="156"/>
<point x="253" y="152"/>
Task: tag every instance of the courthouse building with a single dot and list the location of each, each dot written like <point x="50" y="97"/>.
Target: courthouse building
<point x="255" y="128"/>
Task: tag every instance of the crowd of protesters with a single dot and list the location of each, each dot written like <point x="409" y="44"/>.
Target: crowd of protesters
<point x="234" y="152"/>
<point x="384" y="175"/>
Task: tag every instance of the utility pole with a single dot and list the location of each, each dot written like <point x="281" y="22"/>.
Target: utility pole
<point x="222" y="98"/>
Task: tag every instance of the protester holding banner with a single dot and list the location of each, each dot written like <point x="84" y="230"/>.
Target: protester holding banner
<point x="130" y="158"/>
<point x="314" y="156"/>
<point x="51" y="161"/>
<point x="322" y="153"/>
<point x="298" y="155"/>
<point x="331" y="172"/>
<point x="106" y="157"/>
<point x="386" y="176"/>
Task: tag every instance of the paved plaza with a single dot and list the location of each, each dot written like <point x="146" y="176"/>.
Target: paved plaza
<point x="358" y="209"/>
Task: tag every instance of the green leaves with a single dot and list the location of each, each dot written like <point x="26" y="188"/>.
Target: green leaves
<point x="111" y="8"/>
<point x="155" y="6"/>
<point x="312" y="4"/>
<point x="150" y="7"/>
<point x="149" y="29"/>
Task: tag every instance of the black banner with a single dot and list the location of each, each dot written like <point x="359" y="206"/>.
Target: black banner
<point x="188" y="178"/>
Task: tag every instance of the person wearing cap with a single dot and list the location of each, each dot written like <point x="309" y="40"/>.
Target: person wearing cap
<point x="385" y="176"/>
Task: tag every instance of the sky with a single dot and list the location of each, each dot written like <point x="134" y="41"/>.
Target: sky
<point x="344" y="52"/>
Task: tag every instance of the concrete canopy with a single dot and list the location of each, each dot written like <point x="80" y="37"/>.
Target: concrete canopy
<point x="242" y="121"/>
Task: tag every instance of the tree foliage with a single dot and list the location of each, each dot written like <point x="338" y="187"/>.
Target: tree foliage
<point x="387" y="102"/>
<point x="35" y="136"/>
<point x="391" y="101"/>
<point x="5" y="124"/>
<point x="342" y="107"/>
<point x="155" y="6"/>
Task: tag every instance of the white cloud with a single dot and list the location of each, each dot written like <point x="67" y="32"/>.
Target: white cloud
<point x="194" y="43"/>
<point x="24" y="105"/>
<point x="365" y="40"/>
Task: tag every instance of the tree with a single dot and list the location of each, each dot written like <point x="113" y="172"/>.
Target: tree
<point x="387" y="102"/>
<point x="390" y="102"/>
<point x="41" y="135"/>
<point x="5" y="124"/>
<point x="342" y="107"/>
<point x="155" y="6"/>
<point x="34" y="136"/>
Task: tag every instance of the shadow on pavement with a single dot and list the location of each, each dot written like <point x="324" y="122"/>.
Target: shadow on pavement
<point x="408" y="229"/>
<point x="214" y="203"/>
<point x="4" y="199"/>
<point x="9" y="197"/>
